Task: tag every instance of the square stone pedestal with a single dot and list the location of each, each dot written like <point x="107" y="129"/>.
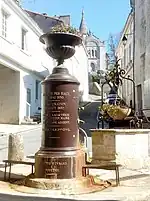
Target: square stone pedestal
<point x="129" y="147"/>
<point x="59" y="164"/>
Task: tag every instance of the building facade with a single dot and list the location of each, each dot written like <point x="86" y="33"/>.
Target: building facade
<point x="20" y="64"/>
<point x="95" y="49"/>
<point x="124" y="52"/>
<point x="24" y="64"/>
<point x="142" y="52"/>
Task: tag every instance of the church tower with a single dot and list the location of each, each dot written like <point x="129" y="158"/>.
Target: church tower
<point x="83" y="28"/>
<point x="95" y="48"/>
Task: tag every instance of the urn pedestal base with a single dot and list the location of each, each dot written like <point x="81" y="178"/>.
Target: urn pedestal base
<point x="59" y="164"/>
<point x="62" y="171"/>
<point x="75" y="186"/>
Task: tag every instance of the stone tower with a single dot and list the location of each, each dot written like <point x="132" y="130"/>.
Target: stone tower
<point x="95" y="48"/>
<point x="83" y="28"/>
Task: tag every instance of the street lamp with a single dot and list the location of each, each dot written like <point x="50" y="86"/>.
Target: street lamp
<point x="124" y="40"/>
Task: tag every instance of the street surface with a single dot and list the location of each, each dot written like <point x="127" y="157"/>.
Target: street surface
<point x="32" y="143"/>
<point x="134" y="186"/>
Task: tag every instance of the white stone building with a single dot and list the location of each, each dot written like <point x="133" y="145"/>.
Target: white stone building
<point x="142" y="52"/>
<point x="95" y="48"/>
<point x="24" y="64"/>
<point x="124" y="52"/>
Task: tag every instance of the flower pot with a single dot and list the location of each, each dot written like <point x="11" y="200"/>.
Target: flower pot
<point x="117" y="112"/>
<point x="60" y="46"/>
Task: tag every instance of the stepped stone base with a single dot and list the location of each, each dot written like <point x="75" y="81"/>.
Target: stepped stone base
<point x="62" y="171"/>
<point x="75" y="186"/>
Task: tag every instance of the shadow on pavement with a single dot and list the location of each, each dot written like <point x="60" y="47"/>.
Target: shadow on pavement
<point x="137" y="176"/>
<point x="13" y="176"/>
<point x="5" y="197"/>
<point x="2" y="165"/>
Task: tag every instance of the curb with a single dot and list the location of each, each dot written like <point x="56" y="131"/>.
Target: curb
<point x="3" y="134"/>
<point x="17" y="196"/>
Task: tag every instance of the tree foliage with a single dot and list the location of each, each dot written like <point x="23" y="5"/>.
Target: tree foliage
<point x="98" y="76"/>
<point x="111" y="48"/>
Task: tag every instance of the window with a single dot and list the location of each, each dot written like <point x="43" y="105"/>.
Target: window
<point x="96" y="53"/>
<point x="121" y="60"/>
<point x="93" y="68"/>
<point x="125" y="58"/>
<point x="92" y="53"/>
<point x="142" y="58"/>
<point x="29" y="95"/>
<point x="130" y="53"/>
<point x="37" y="89"/>
<point x="89" y="53"/>
<point x="23" y="39"/>
<point x="4" y="23"/>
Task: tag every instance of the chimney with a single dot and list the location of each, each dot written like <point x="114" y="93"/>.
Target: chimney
<point x="18" y="2"/>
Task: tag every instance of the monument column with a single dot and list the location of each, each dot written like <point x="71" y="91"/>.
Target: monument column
<point x="60" y="156"/>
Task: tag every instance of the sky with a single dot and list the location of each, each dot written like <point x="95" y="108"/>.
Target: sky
<point x="102" y="16"/>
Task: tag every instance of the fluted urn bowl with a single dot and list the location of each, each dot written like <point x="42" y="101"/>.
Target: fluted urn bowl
<point x="60" y="46"/>
<point x="117" y="112"/>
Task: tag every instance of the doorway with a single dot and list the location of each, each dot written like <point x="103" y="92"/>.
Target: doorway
<point x="28" y="103"/>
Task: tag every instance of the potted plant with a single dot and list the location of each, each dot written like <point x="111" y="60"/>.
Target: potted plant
<point x="60" y="42"/>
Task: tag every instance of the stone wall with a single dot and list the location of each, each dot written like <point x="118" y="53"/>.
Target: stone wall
<point x="132" y="151"/>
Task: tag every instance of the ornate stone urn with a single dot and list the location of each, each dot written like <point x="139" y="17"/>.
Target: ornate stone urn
<point x="60" y="46"/>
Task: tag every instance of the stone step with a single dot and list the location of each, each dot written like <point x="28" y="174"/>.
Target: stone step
<point x="28" y="123"/>
<point x="28" y="119"/>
